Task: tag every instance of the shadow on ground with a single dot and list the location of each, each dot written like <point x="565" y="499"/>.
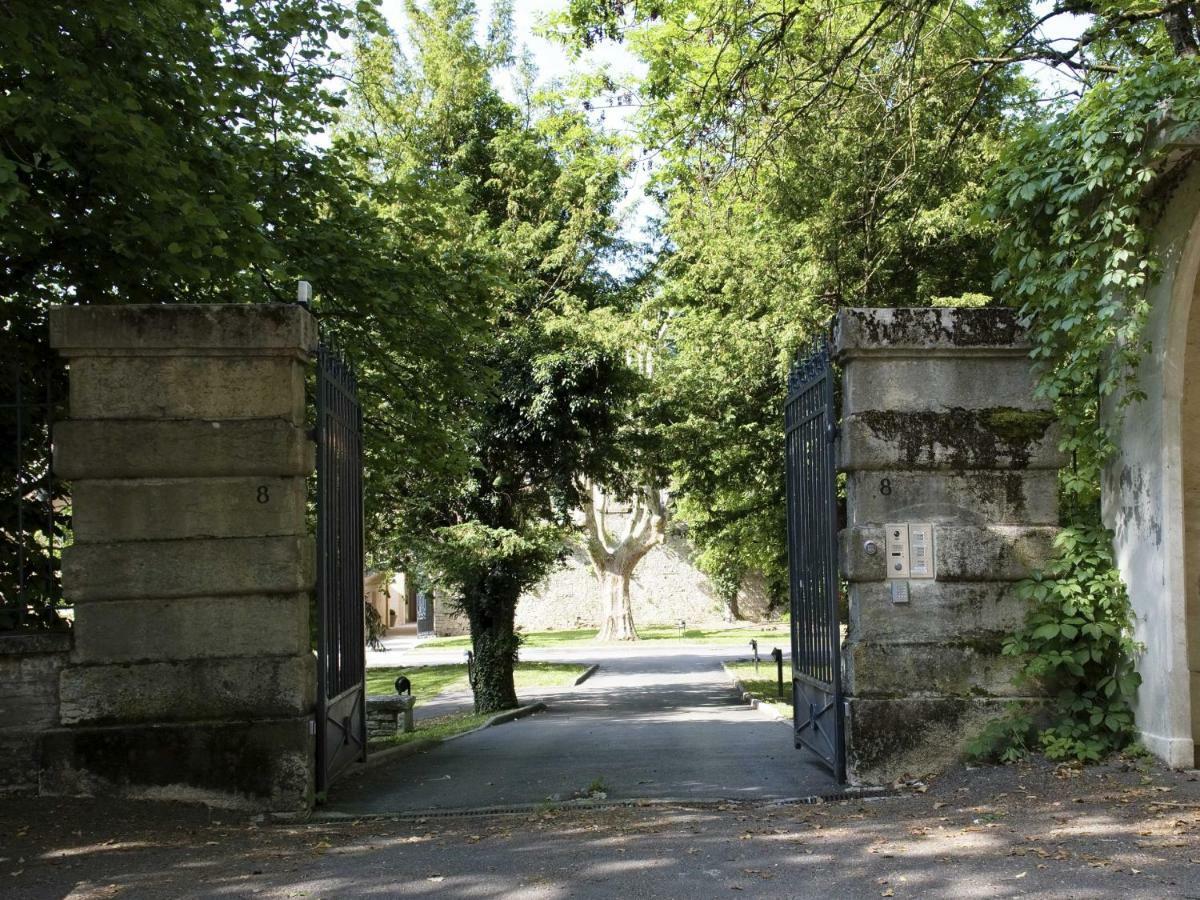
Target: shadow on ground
<point x="1108" y="832"/>
<point x="662" y="726"/>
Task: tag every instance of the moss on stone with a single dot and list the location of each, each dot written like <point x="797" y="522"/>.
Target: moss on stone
<point x="971" y="439"/>
<point x="1018" y="425"/>
<point x="934" y="326"/>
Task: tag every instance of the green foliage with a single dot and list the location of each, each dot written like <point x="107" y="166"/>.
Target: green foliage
<point x="163" y="152"/>
<point x="1072" y="196"/>
<point x="790" y="189"/>
<point x="151" y="152"/>
<point x="151" y="148"/>
<point x="530" y="194"/>
<point x="1077" y="643"/>
<point x="1005" y="739"/>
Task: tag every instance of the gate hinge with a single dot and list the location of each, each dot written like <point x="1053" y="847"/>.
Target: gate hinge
<point x="831" y="433"/>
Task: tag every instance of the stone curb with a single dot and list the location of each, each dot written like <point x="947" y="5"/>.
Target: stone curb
<point x="419" y="745"/>
<point x="588" y="674"/>
<point x="398" y="752"/>
<point x="501" y="718"/>
<point x="766" y="707"/>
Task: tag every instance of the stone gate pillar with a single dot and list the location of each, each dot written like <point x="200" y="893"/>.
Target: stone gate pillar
<point x="191" y="572"/>
<point x="942" y="440"/>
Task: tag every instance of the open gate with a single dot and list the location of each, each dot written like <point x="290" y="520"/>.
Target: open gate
<point x="341" y="626"/>
<point x="810" y="421"/>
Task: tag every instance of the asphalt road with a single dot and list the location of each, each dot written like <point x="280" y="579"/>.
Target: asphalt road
<point x="1127" y="830"/>
<point x="657" y="723"/>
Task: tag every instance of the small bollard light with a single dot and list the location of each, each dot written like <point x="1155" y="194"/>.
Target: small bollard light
<point x="754" y="647"/>
<point x="777" y="655"/>
<point x="470" y="667"/>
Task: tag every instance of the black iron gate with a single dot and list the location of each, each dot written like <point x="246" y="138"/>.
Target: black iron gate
<point x="810" y="421"/>
<point x="341" y="628"/>
<point x="35" y="511"/>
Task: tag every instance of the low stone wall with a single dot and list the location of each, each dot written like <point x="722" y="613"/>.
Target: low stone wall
<point x="666" y="587"/>
<point x="447" y="620"/>
<point x="940" y="428"/>
<point x="29" y="670"/>
<point x="388" y="715"/>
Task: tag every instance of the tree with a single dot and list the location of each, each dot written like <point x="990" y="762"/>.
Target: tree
<point x="535" y="190"/>
<point x="809" y="157"/>
<point x="165" y="152"/>
<point x="626" y="517"/>
<point x="615" y="556"/>
<point x="148" y="153"/>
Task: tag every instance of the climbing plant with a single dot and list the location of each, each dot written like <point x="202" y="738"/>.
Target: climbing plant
<point x="1078" y="642"/>
<point x="1072" y="193"/>
<point x="1076" y="196"/>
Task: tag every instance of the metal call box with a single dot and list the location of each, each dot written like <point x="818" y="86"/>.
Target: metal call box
<point x="908" y="554"/>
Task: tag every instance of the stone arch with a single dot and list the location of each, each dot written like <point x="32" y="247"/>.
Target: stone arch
<point x="1152" y="486"/>
<point x="1182" y="396"/>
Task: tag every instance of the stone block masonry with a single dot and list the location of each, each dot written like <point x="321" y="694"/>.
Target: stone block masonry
<point x="192" y="674"/>
<point x="940" y="428"/>
<point x="29" y="670"/>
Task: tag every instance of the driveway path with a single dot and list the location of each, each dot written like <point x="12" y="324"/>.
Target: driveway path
<point x="657" y="724"/>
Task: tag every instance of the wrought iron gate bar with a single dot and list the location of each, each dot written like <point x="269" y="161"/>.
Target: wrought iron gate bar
<point x="341" y="627"/>
<point x="810" y="430"/>
<point x="30" y="587"/>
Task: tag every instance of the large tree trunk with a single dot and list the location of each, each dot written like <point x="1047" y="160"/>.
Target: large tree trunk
<point x="616" y="620"/>
<point x="492" y="614"/>
<point x="1180" y="28"/>
<point x="733" y="612"/>
<point x="614" y="559"/>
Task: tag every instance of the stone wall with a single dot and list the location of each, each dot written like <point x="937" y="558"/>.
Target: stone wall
<point x="939" y="427"/>
<point x="29" y="670"/>
<point x="192" y="568"/>
<point x="447" y="620"/>
<point x="666" y="587"/>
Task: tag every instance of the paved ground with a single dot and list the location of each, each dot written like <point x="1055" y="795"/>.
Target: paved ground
<point x="1112" y="833"/>
<point x="1126" y="830"/>
<point x="652" y="723"/>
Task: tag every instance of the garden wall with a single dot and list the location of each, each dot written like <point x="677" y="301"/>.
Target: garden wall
<point x="666" y="588"/>
<point x="29" y="670"/>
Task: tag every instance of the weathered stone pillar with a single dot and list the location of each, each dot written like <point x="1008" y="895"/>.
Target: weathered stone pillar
<point x="939" y="428"/>
<point x="192" y="568"/>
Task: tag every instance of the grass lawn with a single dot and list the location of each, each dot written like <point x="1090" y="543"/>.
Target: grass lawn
<point x="432" y="729"/>
<point x="763" y="685"/>
<point x="429" y="681"/>
<point x="767" y="636"/>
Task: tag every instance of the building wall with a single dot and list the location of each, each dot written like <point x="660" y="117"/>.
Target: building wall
<point x="1144" y="498"/>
